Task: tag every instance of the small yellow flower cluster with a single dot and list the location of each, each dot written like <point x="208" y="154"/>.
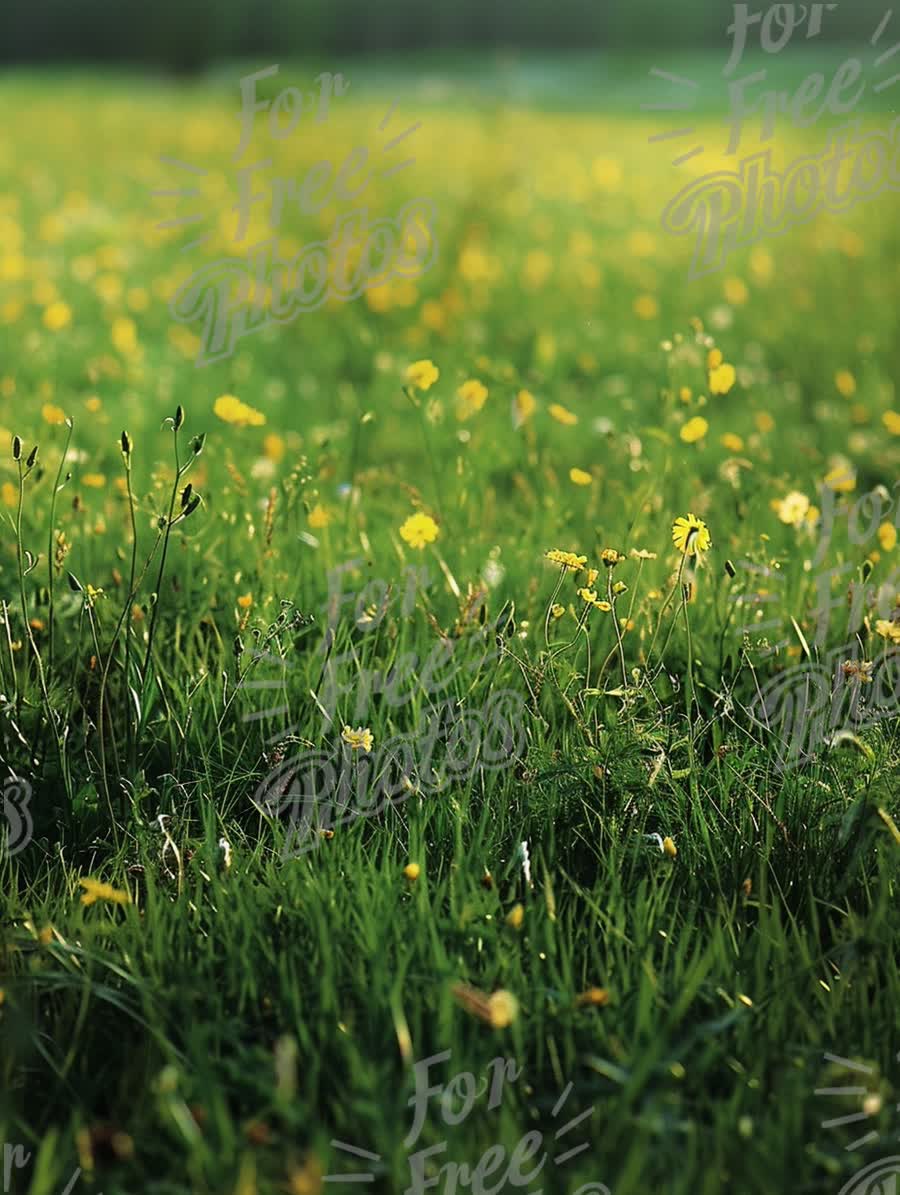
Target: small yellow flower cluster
<point x="96" y="890"/>
<point x="566" y="559"/>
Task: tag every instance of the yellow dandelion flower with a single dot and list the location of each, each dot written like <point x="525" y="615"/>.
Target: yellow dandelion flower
<point x="793" y="508"/>
<point x="412" y="871"/>
<point x="580" y="477"/>
<point x="124" y="335"/>
<point x="736" y="292"/>
<point x="422" y="374"/>
<point x="714" y="358"/>
<point x="695" y="429"/>
<point x="95" y="890"/>
<point x="669" y="847"/>
<point x="845" y="382"/>
<point x="592" y="998"/>
<point x="472" y="396"/>
<point x="566" y="559"/>
<point x="887" y="536"/>
<point x="562" y="415"/>
<point x="503" y="1008"/>
<point x="57" y="316"/>
<point x="690" y="535"/>
<point x="841" y="479"/>
<point x="360" y="739"/>
<point x="94" y="481"/>
<point x="93" y="404"/>
<point x="245" y="600"/>
<point x="524" y="406"/>
<point x="418" y="530"/>
<point x="273" y="447"/>
<point x="319" y="517"/>
<point x="516" y="916"/>
<point x="611" y="557"/>
<point x="891" y="420"/>
<point x="231" y="410"/>
<point x="722" y="378"/>
<point x="52" y="413"/>
<point x="646" y="307"/>
<point x="732" y="442"/>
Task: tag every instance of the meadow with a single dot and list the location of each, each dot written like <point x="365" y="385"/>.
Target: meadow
<point x="518" y="546"/>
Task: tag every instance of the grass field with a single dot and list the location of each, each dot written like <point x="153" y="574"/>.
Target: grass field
<point x="691" y="927"/>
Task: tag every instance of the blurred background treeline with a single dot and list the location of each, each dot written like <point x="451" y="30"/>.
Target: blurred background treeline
<point x="186" y="35"/>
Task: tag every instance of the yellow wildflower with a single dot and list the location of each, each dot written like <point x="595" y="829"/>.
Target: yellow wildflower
<point x="592" y="998"/>
<point x="793" y="508"/>
<point x="57" y="316"/>
<point x="94" y="481"/>
<point x="418" y="530"/>
<point x="695" y="429"/>
<point x="412" y="871"/>
<point x="52" y="413"/>
<point x="887" y="536"/>
<point x="691" y="535"/>
<point x="845" y="382"/>
<point x="888" y="629"/>
<point x="566" y="559"/>
<point x="516" y="916"/>
<point x="422" y="374"/>
<point x="360" y="739"/>
<point x="562" y="415"/>
<point x="319" y="516"/>
<point x="245" y="600"/>
<point x="646" y="307"/>
<point x="732" y="442"/>
<point x="721" y="378"/>
<point x="579" y="476"/>
<point x="524" y="406"/>
<point x="841" y="479"/>
<point x="95" y="890"/>
<point x="231" y="410"/>
<point x="472" y="396"/>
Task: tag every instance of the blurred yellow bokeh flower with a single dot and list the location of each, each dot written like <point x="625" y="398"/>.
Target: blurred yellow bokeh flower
<point x="422" y="374"/>
<point x="231" y="410"/>
<point x="695" y="429"/>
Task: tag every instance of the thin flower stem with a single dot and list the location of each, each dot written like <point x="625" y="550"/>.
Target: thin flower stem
<point x="51" y="610"/>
